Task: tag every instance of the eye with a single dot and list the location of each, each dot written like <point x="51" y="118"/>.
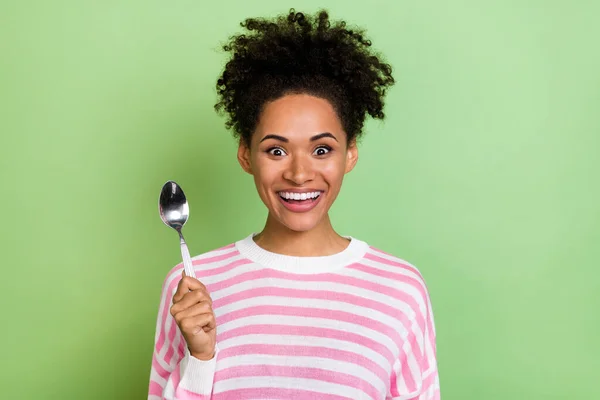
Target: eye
<point x="322" y="150"/>
<point x="276" y="151"/>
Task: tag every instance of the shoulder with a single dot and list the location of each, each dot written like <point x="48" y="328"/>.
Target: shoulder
<point x="203" y="264"/>
<point x="391" y="262"/>
<point x="397" y="272"/>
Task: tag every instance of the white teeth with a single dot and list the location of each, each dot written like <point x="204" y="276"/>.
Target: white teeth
<point x="299" y="196"/>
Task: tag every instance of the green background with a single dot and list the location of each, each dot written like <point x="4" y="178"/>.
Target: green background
<point x="484" y="175"/>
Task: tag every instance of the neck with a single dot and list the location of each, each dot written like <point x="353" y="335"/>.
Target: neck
<point x="322" y="240"/>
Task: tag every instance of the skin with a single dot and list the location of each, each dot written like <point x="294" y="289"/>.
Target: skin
<point x="295" y="162"/>
<point x="299" y="144"/>
<point x="192" y="310"/>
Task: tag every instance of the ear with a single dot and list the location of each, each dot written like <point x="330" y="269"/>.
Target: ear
<point x="243" y="156"/>
<point x="351" y="155"/>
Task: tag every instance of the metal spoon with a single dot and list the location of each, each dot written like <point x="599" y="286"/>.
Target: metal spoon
<point x="174" y="212"/>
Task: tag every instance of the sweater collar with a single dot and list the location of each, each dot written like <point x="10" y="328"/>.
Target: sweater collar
<point x="355" y="250"/>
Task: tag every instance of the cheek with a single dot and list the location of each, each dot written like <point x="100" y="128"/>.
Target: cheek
<point x="334" y="171"/>
<point x="264" y="176"/>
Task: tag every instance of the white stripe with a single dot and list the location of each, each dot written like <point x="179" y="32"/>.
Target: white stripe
<point x="411" y="273"/>
<point x="398" y="285"/>
<point x="230" y="273"/>
<point x="296" y="340"/>
<point x="333" y="287"/>
<point x="169" y="390"/>
<point x="323" y="363"/>
<point x="214" y="253"/>
<point x="170" y="321"/>
<point x="154" y="376"/>
<point x="400" y="383"/>
<point x="164" y="329"/>
<point x="318" y="286"/>
<point x="278" y="382"/>
<point x="176" y="340"/>
<point x="392" y="258"/>
<point x="317" y="304"/>
<point x="411" y="363"/>
<point x="313" y="322"/>
<point x="204" y="267"/>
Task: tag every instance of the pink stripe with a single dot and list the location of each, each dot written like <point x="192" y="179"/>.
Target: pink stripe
<point x="422" y="358"/>
<point x="244" y="277"/>
<point x="430" y="380"/>
<point x="317" y="374"/>
<point x="175" y="377"/>
<point x="436" y="394"/>
<point x="155" y="389"/>
<point x="324" y="278"/>
<point x="171" y="351"/>
<point x="333" y="315"/>
<point x="160" y="342"/>
<point x="381" y="251"/>
<point x="275" y="393"/>
<point x="182" y="394"/>
<point x="417" y="284"/>
<point x="315" y="294"/>
<point x="394" y="384"/>
<point x="163" y="373"/>
<point x="420" y="285"/>
<point x="221" y="257"/>
<point x="425" y="387"/>
<point x="374" y="257"/>
<point x="409" y="378"/>
<point x="166" y="304"/>
<point x="202" y="273"/>
<point x="181" y="349"/>
<point x="431" y="334"/>
<point x="306" y="351"/>
<point x="310" y="332"/>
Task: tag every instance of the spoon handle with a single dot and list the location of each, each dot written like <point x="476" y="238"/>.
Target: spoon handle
<point x="187" y="260"/>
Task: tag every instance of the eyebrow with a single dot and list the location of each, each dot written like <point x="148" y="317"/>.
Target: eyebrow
<point x="312" y="139"/>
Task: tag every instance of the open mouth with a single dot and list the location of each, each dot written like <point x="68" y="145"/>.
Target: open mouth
<point x="299" y="198"/>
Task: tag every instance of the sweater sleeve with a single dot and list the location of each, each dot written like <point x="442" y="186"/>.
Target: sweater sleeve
<point x="415" y="373"/>
<point x="175" y="374"/>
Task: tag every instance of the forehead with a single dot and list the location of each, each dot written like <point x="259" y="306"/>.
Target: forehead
<point x="298" y="116"/>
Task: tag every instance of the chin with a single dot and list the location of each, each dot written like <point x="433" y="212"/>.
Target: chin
<point x="300" y="223"/>
<point x="301" y="227"/>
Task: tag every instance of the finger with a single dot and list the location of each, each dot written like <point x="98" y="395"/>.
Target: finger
<point x="190" y="299"/>
<point x="203" y="322"/>
<point x="195" y="310"/>
<point x="185" y="285"/>
<point x="193" y="297"/>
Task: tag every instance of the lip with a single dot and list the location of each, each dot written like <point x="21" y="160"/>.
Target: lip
<point x="299" y="191"/>
<point x="300" y="208"/>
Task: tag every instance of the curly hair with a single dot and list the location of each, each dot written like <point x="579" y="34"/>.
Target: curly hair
<point x="298" y="53"/>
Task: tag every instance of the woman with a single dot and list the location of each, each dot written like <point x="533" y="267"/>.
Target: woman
<point x="297" y="310"/>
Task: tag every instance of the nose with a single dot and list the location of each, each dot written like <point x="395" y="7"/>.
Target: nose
<point x="299" y="171"/>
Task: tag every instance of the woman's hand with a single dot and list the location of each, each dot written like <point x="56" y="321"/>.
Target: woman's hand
<point x="192" y="310"/>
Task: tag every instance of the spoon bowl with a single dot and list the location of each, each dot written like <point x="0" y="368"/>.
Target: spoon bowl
<point x="174" y="212"/>
<point x="173" y="206"/>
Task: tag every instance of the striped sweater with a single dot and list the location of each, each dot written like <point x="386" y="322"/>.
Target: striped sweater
<point x="354" y="325"/>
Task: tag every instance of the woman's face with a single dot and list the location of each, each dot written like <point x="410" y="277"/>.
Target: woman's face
<point x="298" y="156"/>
